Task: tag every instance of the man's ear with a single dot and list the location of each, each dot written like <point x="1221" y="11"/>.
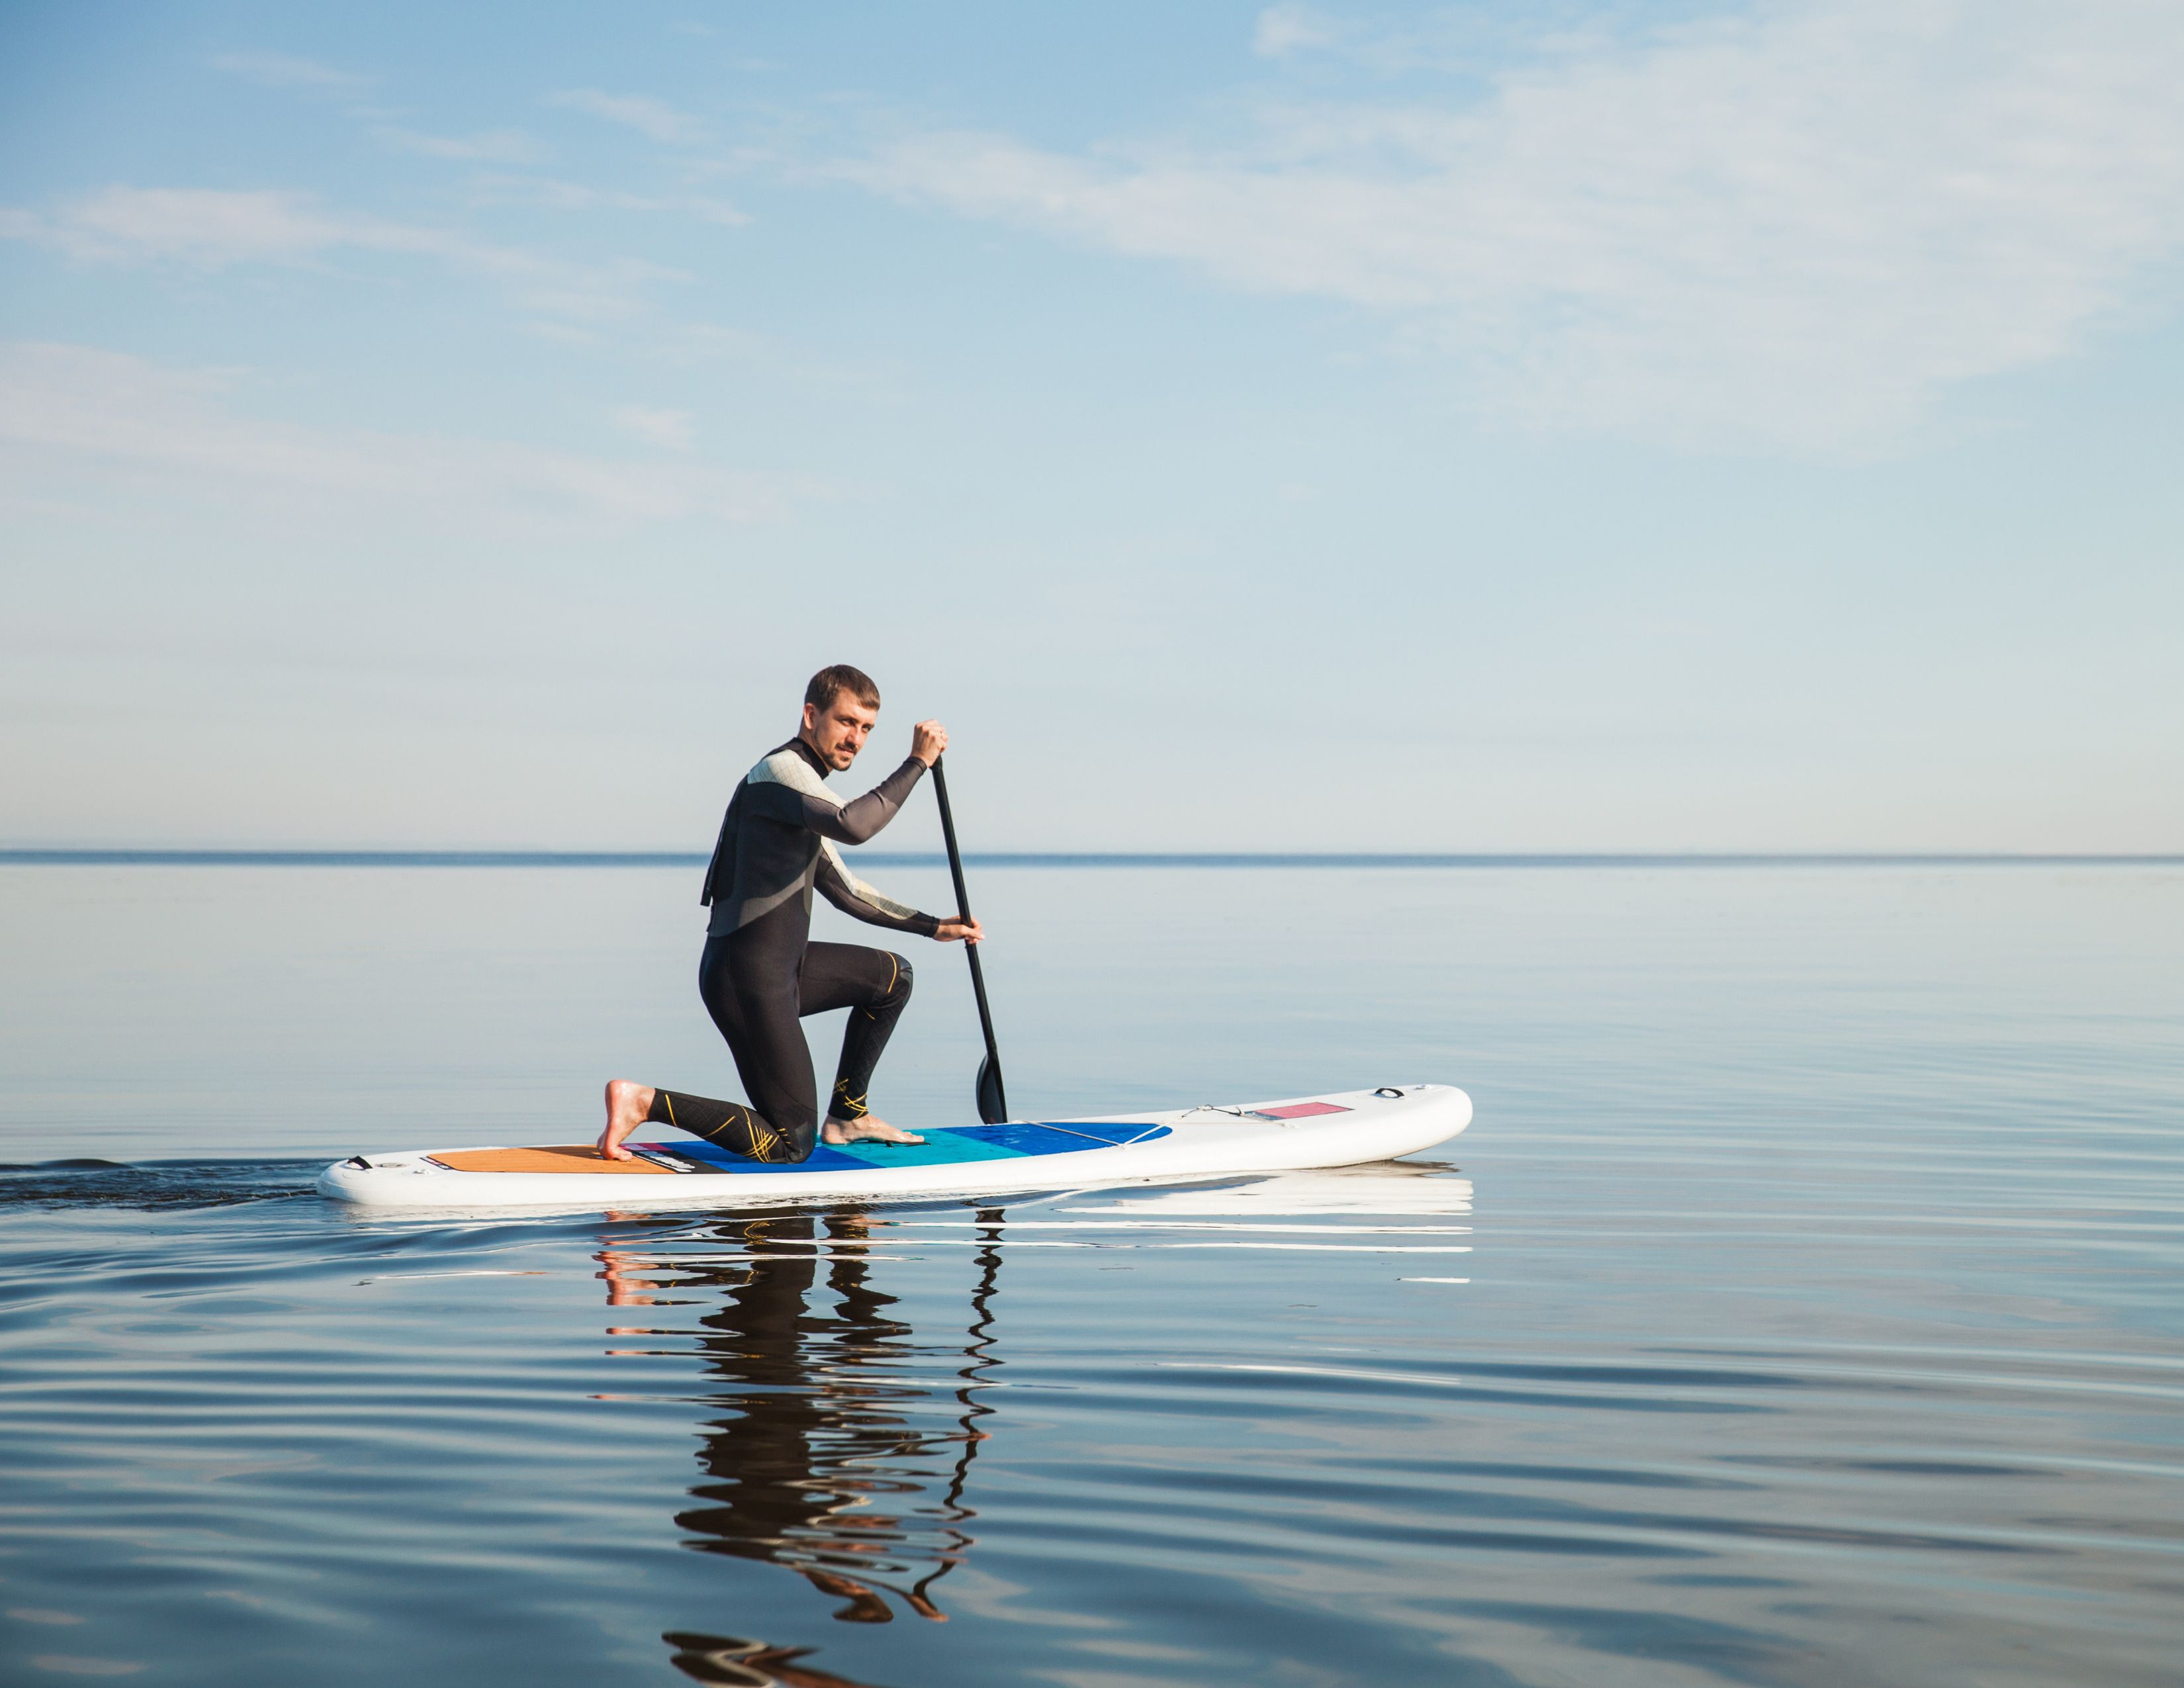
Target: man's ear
<point x="811" y="718"/>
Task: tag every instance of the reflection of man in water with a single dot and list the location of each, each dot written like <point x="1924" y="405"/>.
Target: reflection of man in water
<point x="815" y="1435"/>
<point x="749" y="1664"/>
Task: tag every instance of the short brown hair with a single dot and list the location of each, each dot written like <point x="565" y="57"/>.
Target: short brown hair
<point x="841" y="678"/>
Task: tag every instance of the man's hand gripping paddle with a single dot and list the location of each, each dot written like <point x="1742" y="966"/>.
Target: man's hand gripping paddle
<point x="993" y="1106"/>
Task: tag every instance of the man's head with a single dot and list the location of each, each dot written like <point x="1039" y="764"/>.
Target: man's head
<point x="840" y="706"/>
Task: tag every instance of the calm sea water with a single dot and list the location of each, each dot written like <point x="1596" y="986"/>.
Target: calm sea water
<point x="1803" y="1307"/>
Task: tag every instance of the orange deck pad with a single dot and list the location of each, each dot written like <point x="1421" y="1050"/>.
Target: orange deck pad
<point x="558" y="1157"/>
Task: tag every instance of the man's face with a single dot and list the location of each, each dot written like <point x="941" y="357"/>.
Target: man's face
<point x="837" y="732"/>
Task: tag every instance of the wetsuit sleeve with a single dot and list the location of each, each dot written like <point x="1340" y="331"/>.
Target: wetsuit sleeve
<point x="834" y="882"/>
<point x="854" y="822"/>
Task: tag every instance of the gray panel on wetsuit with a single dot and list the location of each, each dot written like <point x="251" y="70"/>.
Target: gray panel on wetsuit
<point x="776" y="844"/>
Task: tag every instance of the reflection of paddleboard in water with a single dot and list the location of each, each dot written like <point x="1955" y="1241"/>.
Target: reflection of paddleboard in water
<point x="1349" y="1128"/>
<point x="1408" y="1190"/>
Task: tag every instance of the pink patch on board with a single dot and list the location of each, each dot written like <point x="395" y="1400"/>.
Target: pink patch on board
<point x="1302" y="1111"/>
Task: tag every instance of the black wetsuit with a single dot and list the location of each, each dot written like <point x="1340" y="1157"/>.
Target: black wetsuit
<point x="761" y="974"/>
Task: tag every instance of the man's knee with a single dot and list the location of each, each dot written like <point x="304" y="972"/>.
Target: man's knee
<point x="899" y="987"/>
<point x="784" y="1145"/>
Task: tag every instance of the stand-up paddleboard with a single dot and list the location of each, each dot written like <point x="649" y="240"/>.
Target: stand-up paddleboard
<point x="1348" y="1129"/>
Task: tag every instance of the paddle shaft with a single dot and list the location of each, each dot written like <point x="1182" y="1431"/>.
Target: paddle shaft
<point x="963" y="909"/>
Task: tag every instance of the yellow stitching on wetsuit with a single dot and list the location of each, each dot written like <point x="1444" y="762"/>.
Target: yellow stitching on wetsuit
<point x="670" y="1100"/>
<point x="894" y="972"/>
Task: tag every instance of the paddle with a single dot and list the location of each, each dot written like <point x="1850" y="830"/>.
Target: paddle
<point x="993" y="1106"/>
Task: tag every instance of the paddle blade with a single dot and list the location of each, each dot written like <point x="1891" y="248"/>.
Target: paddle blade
<point x="993" y="1106"/>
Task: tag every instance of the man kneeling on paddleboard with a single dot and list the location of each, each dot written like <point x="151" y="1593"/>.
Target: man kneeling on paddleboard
<point x="761" y="974"/>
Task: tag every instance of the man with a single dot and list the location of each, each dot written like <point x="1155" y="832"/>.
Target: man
<point x="760" y="973"/>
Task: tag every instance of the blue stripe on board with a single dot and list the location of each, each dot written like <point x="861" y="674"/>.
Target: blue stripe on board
<point x="947" y="1147"/>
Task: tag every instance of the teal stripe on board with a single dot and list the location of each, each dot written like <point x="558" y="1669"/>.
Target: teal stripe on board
<point x="940" y="1148"/>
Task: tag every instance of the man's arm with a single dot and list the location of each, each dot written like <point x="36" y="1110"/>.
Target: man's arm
<point x="850" y="894"/>
<point x="858" y="820"/>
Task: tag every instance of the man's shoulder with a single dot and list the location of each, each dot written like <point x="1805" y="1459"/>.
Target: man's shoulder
<point x="788" y="766"/>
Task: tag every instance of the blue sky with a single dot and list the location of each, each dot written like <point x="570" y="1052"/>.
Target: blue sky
<point x="1523" y="428"/>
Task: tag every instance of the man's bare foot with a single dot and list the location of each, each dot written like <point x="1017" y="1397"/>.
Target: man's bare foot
<point x="628" y="1104"/>
<point x="871" y="1128"/>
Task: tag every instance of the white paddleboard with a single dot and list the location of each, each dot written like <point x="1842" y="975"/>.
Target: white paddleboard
<point x="1350" y="1128"/>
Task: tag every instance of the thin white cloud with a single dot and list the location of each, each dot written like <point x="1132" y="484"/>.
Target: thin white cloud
<point x="214" y="228"/>
<point x="652" y="118"/>
<point x="1465" y="40"/>
<point x="286" y="70"/>
<point x="106" y="410"/>
<point x="495" y="146"/>
<point x="670" y="430"/>
<point x="575" y="196"/>
<point x="708" y="340"/>
<point x="1794" y="228"/>
<point x="1280" y="30"/>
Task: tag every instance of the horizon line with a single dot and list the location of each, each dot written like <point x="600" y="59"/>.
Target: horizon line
<point x="190" y="856"/>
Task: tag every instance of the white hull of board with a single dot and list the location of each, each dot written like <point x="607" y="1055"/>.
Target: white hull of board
<point x="1204" y="1142"/>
